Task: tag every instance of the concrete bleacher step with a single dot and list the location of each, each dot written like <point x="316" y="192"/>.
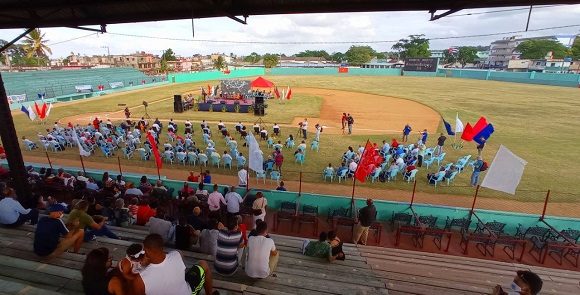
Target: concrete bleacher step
<point x="10" y="287"/>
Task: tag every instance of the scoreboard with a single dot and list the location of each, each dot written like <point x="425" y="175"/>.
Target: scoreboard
<point x="421" y="64"/>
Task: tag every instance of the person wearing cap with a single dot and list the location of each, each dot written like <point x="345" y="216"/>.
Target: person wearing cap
<point x="366" y="216"/>
<point x="524" y="283"/>
<point x="12" y="213"/>
<point x="52" y="237"/>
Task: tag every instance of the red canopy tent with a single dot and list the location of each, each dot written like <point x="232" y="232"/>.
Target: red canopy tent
<point x="262" y="83"/>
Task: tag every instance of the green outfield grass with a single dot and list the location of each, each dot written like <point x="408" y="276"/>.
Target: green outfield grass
<point x="538" y="123"/>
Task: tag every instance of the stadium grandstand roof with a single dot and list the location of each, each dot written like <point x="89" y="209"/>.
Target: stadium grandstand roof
<point x="67" y="13"/>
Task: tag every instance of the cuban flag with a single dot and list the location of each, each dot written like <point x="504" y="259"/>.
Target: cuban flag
<point x="453" y="50"/>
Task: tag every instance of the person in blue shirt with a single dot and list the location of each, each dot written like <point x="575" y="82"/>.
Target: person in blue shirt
<point x="12" y="213"/>
<point x="281" y="187"/>
<point x="49" y="231"/>
<point x="406" y="131"/>
<point x="424" y="136"/>
<point x="476" y="171"/>
<point x="207" y="177"/>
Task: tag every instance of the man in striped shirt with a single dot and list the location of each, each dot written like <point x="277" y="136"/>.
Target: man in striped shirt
<point x="228" y="242"/>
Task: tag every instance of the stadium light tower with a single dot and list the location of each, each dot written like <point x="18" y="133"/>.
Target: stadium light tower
<point x="108" y="54"/>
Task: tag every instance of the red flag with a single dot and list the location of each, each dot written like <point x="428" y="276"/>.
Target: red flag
<point x="155" y="150"/>
<point x="467" y="134"/>
<point x="43" y="111"/>
<point x="289" y="94"/>
<point x="276" y="92"/>
<point x="37" y="109"/>
<point x="369" y="159"/>
<point x="209" y="89"/>
<point x="480" y="125"/>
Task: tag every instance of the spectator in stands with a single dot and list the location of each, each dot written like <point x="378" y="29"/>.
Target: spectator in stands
<point x="185" y="234"/>
<point x="132" y="191"/>
<point x="93" y="226"/>
<point x="159" y="191"/>
<point x="121" y="213"/>
<point x="159" y="225"/>
<point x="98" y="278"/>
<point x="12" y="214"/>
<point x="81" y="177"/>
<point x="233" y="201"/>
<point x="144" y="213"/>
<point x="208" y="238"/>
<point x="196" y="220"/>
<point x="262" y="257"/>
<point x="165" y="273"/>
<point x="215" y="199"/>
<point x="192" y="177"/>
<point x="476" y="171"/>
<point x="366" y="216"/>
<point x="200" y="193"/>
<point x="120" y="183"/>
<point x="2" y="152"/>
<point x="206" y="177"/>
<point x="524" y="283"/>
<point x="281" y="187"/>
<point x="133" y="209"/>
<point x="144" y="185"/>
<point x="335" y="246"/>
<point x="320" y="248"/>
<point x="228" y="242"/>
<point x="105" y="179"/>
<point x="259" y="207"/>
<point x="52" y="237"/>
<point x="92" y="185"/>
<point x="133" y="263"/>
<point x="186" y="190"/>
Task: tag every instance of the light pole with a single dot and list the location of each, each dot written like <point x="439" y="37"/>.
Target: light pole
<point x="108" y="54"/>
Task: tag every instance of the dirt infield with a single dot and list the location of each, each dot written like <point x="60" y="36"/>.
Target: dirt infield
<point x="373" y="114"/>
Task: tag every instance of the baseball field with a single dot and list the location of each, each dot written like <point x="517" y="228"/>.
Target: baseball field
<point x="538" y="123"/>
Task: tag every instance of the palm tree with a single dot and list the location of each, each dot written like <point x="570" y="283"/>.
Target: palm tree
<point x="35" y="45"/>
<point x="219" y="63"/>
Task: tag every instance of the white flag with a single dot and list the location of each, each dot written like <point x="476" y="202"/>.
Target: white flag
<point x="82" y="151"/>
<point x="256" y="158"/>
<point x="458" y="124"/>
<point x="505" y="172"/>
<point x="48" y="111"/>
<point x="31" y="113"/>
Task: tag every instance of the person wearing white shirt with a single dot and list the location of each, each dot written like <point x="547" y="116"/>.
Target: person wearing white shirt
<point x="243" y="177"/>
<point x="29" y="143"/>
<point x="304" y="128"/>
<point x="361" y="149"/>
<point x="262" y="257"/>
<point x="276" y="129"/>
<point x="215" y="199"/>
<point x="133" y="191"/>
<point x="264" y="134"/>
<point x="302" y="146"/>
<point x="352" y="166"/>
<point x="82" y="177"/>
<point x="165" y="272"/>
<point x="221" y="125"/>
<point x="226" y="157"/>
<point x="233" y="201"/>
<point x="12" y="213"/>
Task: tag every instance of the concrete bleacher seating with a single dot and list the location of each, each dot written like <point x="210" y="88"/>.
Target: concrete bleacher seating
<point x="58" y="83"/>
<point x="367" y="270"/>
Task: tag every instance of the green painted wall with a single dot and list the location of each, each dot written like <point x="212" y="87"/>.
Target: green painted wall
<point x="214" y="75"/>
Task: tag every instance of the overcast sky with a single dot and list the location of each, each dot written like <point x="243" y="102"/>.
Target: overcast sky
<point x="341" y="27"/>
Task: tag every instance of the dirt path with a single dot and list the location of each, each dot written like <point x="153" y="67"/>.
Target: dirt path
<point x="373" y="114"/>
<point x="563" y="209"/>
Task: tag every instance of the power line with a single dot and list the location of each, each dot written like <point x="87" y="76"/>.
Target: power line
<point x="335" y="42"/>
<point x="72" y="39"/>
<point x="501" y="10"/>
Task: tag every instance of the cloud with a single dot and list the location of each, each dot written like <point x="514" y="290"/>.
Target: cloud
<point x="375" y="26"/>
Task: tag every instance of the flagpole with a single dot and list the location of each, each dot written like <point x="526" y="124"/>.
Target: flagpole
<point x="158" y="173"/>
<point x="119" y="161"/>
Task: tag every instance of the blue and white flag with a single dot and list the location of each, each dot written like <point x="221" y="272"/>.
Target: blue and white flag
<point x="29" y="113"/>
<point x="448" y="128"/>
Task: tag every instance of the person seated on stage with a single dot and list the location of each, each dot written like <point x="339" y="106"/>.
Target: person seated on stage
<point x="278" y="145"/>
<point x="257" y="128"/>
<point x="226" y="157"/>
<point x="276" y="129"/>
<point x="264" y="134"/>
<point x="29" y="144"/>
<point x="203" y="124"/>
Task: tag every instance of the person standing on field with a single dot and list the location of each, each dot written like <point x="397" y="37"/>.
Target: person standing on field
<point x="343" y="122"/>
<point x="406" y="131"/>
<point x="440" y="143"/>
<point x="304" y="128"/>
<point x="350" y="122"/>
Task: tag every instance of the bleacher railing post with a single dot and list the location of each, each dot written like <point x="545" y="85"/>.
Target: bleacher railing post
<point x="545" y="205"/>
<point x="83" y="165"/>
<point x="300" y="184"/>
<point x="119" y="161"/>
<point x="413" y="195"/>
<point x="48" y="158"/>
<point x="474" y="198"/>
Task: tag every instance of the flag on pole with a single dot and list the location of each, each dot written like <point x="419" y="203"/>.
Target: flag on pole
<point x="484" y="134"/>
<point x="505" y="172"/>
<point x="276" y="92"/>
<point x="255" y="156"/>
<point x="283" y="94"/>
<point x="25" y="111"/>
<point x="458" y="124"/>
<point x="43" y="111"/>
<point x="467" y="134"/>
<point x="448" y="127"/>
<point x="369" y="160"/>
<point x="289" y="93"/>
<point x="82" y="151"/>
<point x="479" y="126"/>
<point x="31" y="113"/>
<point x="37" y="110"/>
<point x="48" y="111"/>
<point x="153" y="144"/>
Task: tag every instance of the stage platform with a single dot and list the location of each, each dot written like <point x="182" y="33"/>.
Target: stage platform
<point x="226" y="106"/>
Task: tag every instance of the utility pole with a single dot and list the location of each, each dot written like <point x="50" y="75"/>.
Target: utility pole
<point x="108" y="54"/>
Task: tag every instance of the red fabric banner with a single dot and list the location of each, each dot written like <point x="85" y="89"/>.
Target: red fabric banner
<point x="37" y="109"/>
<point x="368" y="161"/>
<point x="289" y="94"/>
<point x="343" y="70"/>
<point x="467" y="134"/>
<point x="480" y="125"/>
<point x="276" y="92"/>
<point x="43" y="111"/>
<point x="155" y="150"/>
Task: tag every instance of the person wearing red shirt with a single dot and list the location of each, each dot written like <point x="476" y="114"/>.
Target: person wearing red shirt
<point x="96" y="123"/>
<point x="144" y="213"/>
<point x="409" y="169"/>
<point x="192" y="177"/>
<point x="394" y="143"/>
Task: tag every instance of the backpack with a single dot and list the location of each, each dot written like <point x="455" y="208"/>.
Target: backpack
<point x="483" y="167"/>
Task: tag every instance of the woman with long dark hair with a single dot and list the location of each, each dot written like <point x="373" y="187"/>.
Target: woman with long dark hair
<point x="98" y="277"/>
